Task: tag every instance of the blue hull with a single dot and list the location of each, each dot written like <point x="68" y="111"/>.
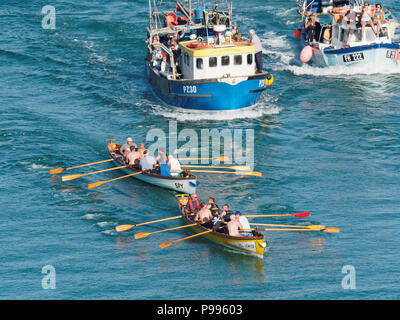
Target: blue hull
<point x="210" y="94"/>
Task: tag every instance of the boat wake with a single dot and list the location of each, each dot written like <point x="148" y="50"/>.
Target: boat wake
<point x="283" y="55"/>
<point x="265" y="107"/>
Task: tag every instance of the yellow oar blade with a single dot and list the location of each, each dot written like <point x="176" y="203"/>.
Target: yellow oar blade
<point x="56" y="171"/>
<point x="250" y="173"/>
<point x="166" y="244"/>
<point x="141" y="235"/>
<point x="335" y="230"/>
<point x="71" y="177"/>
<point x="314" y="227"/>
<point x="123" y="227"/>
<point x="97" y="184"/>
<point x="237" y="168"/>
<point x="59" y="170"/>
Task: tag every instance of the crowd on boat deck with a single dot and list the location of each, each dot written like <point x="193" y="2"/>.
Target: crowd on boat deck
<point x="372" y="15"/>
<point x="139" y="158"/>
<point x="222" y="220"/>
<point x="162" y="62"/>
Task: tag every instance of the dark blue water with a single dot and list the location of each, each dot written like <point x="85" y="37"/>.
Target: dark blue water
<point x="327" y="141"/>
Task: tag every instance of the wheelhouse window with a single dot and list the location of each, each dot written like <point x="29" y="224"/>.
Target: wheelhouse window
<point x="237" y="60"/>
<point x="225" y="60"/>
<point x="250" y="58"/>
<point x="212" y="61"/>
<point x="186" y="59"/>
<point x="199" y="63"/>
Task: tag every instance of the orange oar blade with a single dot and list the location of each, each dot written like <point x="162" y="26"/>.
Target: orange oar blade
<point x="123" y="227"/>
<point x="335" y="230"/>
<point x="141" y="235"/>
<point x="165" y="244"/>
<point x="301" y="214"/>
<point x="55" y="171"/>
<point x="95" y="184"/>
<point x="223" y="158"/>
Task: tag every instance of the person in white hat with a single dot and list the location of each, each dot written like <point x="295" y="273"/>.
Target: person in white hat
<point x="126" y="148"/>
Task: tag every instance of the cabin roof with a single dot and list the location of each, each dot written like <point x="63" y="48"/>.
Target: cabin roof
<point x="238" y="47"/>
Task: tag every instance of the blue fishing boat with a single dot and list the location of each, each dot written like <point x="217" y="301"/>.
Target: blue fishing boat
<point x="196" y="62"/>
<point x="355" y="34"/>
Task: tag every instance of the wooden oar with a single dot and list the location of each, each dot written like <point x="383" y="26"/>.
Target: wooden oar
<point x="303" y="229"/>
<point x="222" y="158"/>
<point x="238" y="168"/>
<point x="166" y="244"/>
<point x="314" y="227"/>
<point x="248" y="173"/>
<point x="98" y="184"/>
<point x="299" y="215"/>
<point x="76" y="176"/>
<point x="145" y="234"/>
<point x="125" y="227"/>
<point x="59" y="170"/>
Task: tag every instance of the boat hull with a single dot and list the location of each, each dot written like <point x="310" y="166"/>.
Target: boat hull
<point x="252" y="245"/>
<point x="185" y="185"/>
<point x="384" y="55"/>
<point x="209" y="94"/>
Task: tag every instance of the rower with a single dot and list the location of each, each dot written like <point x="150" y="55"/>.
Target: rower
<point x="213" y="206"/>
<point x="193" y="204"/>
<point x="148" y="162"/>
<point x="126" y="148"/>
<point x="234" y="225"/>
<point x="226" y="213"/>
<point x="204" y="215"/>
<point x="132" y="159"/>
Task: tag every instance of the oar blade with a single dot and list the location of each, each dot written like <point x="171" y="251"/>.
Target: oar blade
<point x="165" y="244"/>
<point x="71" y="177"/>
<point x="56" y="171"/>
<point x="223" y="158"/>
<point x="95" y="184"/>
<point x="334" y="230"/>
<point x="240" y="168"/>
<point x="141" y="235"/>
<point x="123" y="227"/>
<point x="301" y="214"/>
<point x="249" y="173"/>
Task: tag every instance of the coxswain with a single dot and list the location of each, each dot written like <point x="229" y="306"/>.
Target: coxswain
<point x="193" y="204"/>
<point x="174" y="166"/>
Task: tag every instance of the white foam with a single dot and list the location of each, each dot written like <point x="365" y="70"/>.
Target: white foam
<point x="311" y="70"/>
<point x="35" y="166"/>
<point x="104" y="224"/>
<point x="92" y="216"/>
<point x="262" y="108"/>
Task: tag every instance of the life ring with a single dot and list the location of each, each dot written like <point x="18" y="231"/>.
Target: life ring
<point x="194" y="45"/>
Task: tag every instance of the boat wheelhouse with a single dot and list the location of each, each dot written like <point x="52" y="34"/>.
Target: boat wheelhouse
<point x="210" y="68"/>
<point x="338" y="43"/>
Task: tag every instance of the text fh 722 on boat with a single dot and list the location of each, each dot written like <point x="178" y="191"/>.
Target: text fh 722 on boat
<point x="356" y="33"/>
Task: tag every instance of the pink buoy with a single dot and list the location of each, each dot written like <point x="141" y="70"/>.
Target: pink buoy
<point x="306" y="54"/>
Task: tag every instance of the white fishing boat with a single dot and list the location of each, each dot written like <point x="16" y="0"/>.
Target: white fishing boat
<point x="186" y="183"/>
<point x="340" y="41"/>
